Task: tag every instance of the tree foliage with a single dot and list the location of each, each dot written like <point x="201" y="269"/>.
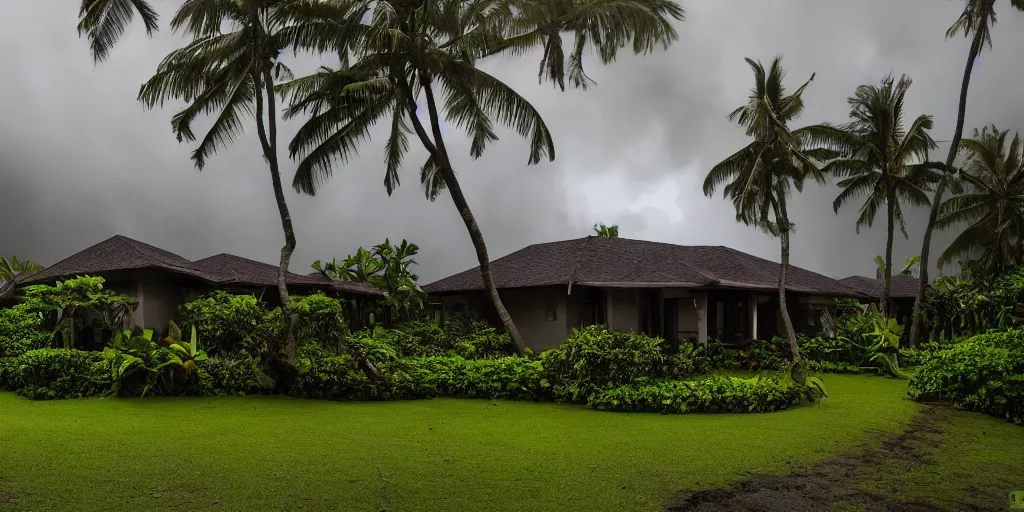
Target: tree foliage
<point x="603" y="230"/>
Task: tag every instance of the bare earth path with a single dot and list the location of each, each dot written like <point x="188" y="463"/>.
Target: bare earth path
<point x="838" y="483"/>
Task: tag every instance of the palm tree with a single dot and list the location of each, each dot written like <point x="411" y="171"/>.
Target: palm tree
<point x="228" y="72"/>
<point x="12" y="272"/>
<point x="104" y="21"/>
<point x="882" y="160"/>
<point x="761" y="175"/>
<point x="606" y="26"/>
<point x="993" y="206"/>
<point x="976" y="20"/>
<point x="606" y="231"/>
<point x="408" y="52"/>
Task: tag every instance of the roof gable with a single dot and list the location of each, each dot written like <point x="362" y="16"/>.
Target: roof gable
<point x="114" y="254"/>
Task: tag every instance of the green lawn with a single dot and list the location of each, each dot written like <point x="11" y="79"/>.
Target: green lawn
<point x="263" y="453"/>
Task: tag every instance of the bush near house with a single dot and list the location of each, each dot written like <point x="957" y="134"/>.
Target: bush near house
<point x="716" y="394"/>
<point x="229" y="323"/>
<point x="50" y="373"/>
<point x="984" y="373"/>
<point x="21" y="331"/>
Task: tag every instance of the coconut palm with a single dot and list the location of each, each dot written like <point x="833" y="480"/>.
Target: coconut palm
<point x="601" y="229"/>
<point x="976" y="22"/>
<point x="409" y="52"/>
<point x="760" y="177"/>
<point x="228" y="72"/>
<point x="12" y="272"/>
<point x="104" y="21"/>
<point x="605" y="26"/>
<point x="993" y="205"/>
<point x="883" y="160"/>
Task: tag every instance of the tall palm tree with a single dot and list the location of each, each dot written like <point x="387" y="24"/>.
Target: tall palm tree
<point x="882" y="160"/>
<point x="761" y="175"/>
<point x="993" y="205"/>
<point x="976" y="22"/>
<point x="228" y="72"/>
<point x="104" y="21"/>
<point x="605" y="26"/>
<point x="601" y="229"/>
<point x="411" y="51"/>
<point x="407" y="52"/>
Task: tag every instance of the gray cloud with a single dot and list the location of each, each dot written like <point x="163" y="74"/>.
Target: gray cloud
<point x="81" y="160"/>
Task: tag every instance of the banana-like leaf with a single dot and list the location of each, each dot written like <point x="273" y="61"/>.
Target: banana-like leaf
<point x="173" y="331"/>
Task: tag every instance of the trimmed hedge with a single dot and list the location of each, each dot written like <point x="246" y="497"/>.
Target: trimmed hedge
<point x="714" y="394"/>
<point x="49" y="374"/>
<point x="508" y="377"/>
<point x="21" y="331"/>
<point x="228" y="376"/>
<point x="984" y="373"/>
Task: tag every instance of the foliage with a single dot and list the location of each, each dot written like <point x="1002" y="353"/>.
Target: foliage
<point x="229" y="323"/>
<point x="713" y="394"/>
<point x="333" y="378"/>
<point x="772" y="355"/>
<point x="482" y="343"/>
<point x="976" y="302"/>
<point x="59" y="305"/>
<point x="993" y="205"/>
<point x="606" y="231"/>
<point x="10" y="374"/>
<point x="12" y="271"/>
<point x="47" y="374"/>
<point x="984" y="373"/>
<point x="138" y="364"/>
<point x="104" y="21"/>
<point x="319" y="320"/>
<point x="21" y="331"/>
<point x="595" y="358"/>
<point x="387" y="267"/>
<point x="511" y="377"/>
<point x="227" y="376"/>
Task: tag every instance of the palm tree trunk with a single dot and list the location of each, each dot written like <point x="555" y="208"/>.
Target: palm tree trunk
<point x="269" y="142"/>
<point x="455" y="189"/>
<point x="915" y="328"/>
<point x="887" y="289"/>
<point x="782" y="219"/>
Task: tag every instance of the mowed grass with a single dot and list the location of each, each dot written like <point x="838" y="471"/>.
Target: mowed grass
<point x="276" y="453"/>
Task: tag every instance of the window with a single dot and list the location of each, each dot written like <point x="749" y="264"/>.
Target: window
<point x="552" y="309"/>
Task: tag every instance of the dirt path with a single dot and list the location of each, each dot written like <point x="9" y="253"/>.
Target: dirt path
<point x="831" y="482"/>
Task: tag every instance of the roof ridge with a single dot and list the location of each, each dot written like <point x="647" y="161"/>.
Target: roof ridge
<point x="579" y="259"/>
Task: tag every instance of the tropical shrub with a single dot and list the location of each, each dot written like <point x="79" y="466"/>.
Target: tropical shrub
<point x="507" y="377"/>
<point x="831" y="367"/>
<point x="319" y="320"/>
<point x="47" y="374"/>
<point x="227" y="376"/>
<point x="21" y="331"/>
<point x="714" y="394"/>
<point x="427" y="339"/>
<point x="984" y="373"/>
<point x="482" y="343"/>
<point x="229" y="323"/>
<point x="139" y="365"/>
<point x="59" y="305"/>
<point x="772" y="354"/>
<point x="595" y="358"/>
<point x="333" y="378"/>
<point x="823" y="349"/>
<point x="9" y="373"/>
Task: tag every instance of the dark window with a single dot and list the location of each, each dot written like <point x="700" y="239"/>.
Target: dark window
<point x="552" y="309"/>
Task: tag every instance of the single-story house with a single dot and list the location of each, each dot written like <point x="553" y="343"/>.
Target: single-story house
<point x="672" y="291"/>
<point x="902" y="293"/>
<point x="162" y="281"/>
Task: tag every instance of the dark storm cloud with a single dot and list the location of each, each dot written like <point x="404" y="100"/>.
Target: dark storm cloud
<point x="81" y="159"/>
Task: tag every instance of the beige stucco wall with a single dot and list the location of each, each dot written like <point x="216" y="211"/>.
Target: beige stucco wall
<point x="161" y="297"/>
<point x="529" y="311"/>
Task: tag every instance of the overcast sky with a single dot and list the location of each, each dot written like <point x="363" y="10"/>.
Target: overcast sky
<point x="81" y="160"/>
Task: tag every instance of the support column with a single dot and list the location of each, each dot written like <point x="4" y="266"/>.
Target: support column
<point x="700" y="300"/>
<point x="753" y="316"/>
<point x="608" y="308"/>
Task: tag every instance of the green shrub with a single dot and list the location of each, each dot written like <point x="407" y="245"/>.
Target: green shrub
<point x="984" y="373"/>
<point x="831" y="367"/>
<point x="21" y="331"/>
<point x="9" y="373"/>
<point x="227" y="376"/>
<point x="595" y="358"/>
<point x="230" y="323"/>
<point x="508" y="377"/>
<point x="773" y="354"/>
<point x="48" y="374"/>
<point x="715" y="394"/>
<point x="818" y="348"/>
<point x="426" y="339"/>
<point x="319" y="320"/>
<point x="333" y="378"/>
<point x="380" y="345"/>
<point x="484" y="342"/>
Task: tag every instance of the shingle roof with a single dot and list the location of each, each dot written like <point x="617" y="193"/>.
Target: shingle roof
<point x="122" y="253"/>
<point x="621" y="262"/>
<point x="903" y="287"/>
<point x="114" y="254"/>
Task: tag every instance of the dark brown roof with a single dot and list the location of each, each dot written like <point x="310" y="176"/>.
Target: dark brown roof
<point x="903" y="287"/>
<point x="621" y="262"/>
<point x="114" y="254"/>
<point x="122" y="253"/>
